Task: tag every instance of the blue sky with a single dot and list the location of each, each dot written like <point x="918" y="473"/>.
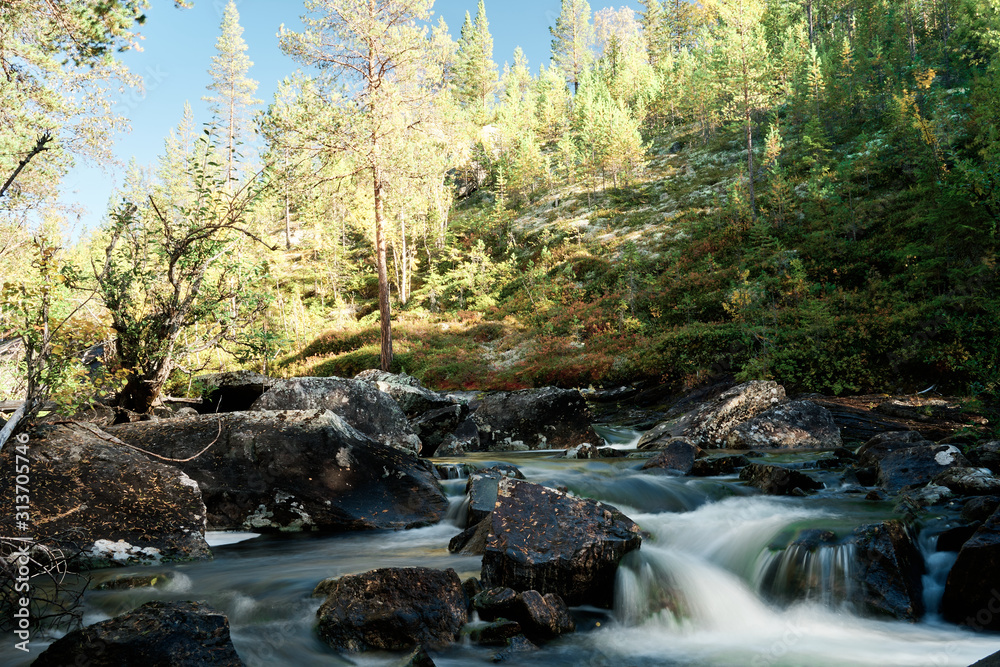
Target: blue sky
<point x="179" y="45"/>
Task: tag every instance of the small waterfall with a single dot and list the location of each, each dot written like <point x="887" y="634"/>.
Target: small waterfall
<point x="458" y="511"/>
<point x="938" y="564"/>
<point x="807" y="571"/>
<point x="454" y="470"/>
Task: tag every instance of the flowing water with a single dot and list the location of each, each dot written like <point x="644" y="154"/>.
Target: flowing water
<point x="722" y="578"/>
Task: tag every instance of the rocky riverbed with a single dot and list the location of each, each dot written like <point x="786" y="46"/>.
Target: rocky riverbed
<point x="374" y="520"/>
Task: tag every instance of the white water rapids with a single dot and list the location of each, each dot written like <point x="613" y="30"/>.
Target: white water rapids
<point x="709" y="587"/>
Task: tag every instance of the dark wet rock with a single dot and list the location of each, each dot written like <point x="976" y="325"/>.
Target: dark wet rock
<point x="720" y="465"/>
<point x="917" y="466"/>
<point x="412" y="397"/>
<point x="360" y="404"/>
<point x="972" y="592"/>
<point x="777" y="480"/>
<point x="541" y="617"/>
<point x="980" y="509"/>
<point x="679" y="455"/>
<point x="888" y="571"/>
<point x="710" y="424"/>
<point x="472" y="540"/>
<point x="464" y="439"/>
<point x="875" y="496"/>
<point x="234" y="391"/>
<point x="791" y="425"/>
<point x="989" y="661"/>
<point x="845" y="454"/>
<point x="883" y="444"/>
<point x="986" y="455"/>
<point x="114" y="504"/>
<point x="547" y="541"/>
<point x="516" y="647"/>
<point x="294" y="471"/>
<point x="126" y="582"/>
<point x="418" y="657"/>
<point x="547" y="418"/>
<point x="434" y="426"/>
<point x="954" y="538"/>
<point x="497" y="633"/>
<point x="392" y="609"/>
<point x="157" y="634"/>
<point x="969" y="481"/>
<point x="471" y="587"/>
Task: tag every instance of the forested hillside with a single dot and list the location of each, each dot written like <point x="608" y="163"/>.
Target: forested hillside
<point x="801" y="191"/>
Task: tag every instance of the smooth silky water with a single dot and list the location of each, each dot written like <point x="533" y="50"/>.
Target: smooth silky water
<point x="713" y="583"/>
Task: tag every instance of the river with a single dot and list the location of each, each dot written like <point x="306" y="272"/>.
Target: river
<point x="712" y="554"/>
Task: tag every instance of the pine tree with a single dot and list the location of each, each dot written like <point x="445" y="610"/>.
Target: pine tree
<point x="477" y="73"/>
<point x="572" y="40"/>
<point x="381" y="47"/>
<point x="234" y="91"/>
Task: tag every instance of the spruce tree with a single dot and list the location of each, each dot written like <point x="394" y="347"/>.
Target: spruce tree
<point x="234" y="90"/>
<point x="477" y="73"/>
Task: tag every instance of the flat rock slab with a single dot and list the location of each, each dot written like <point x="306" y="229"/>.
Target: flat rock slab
<point x="360" y="403"/>
<point x="547" y="418"/>
<point x="392" y="609"/>
<point x="545" y="540"/>
<point x="123" y="508"/>
<point x="157" y="634"/>
<point x="295" y="471"/>
<point x="791" y="425"/>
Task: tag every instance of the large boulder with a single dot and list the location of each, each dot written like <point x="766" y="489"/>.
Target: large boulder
<point x="915" y="466"/>
<point x="545" y="540"/>
<point x="972" y="593"/>
<point x="392" y="609"/>
<point x="295" y="470"/>
<point x="792" y="425"/>
<point x="110" y="502"/>
<point x="411" y="396"/>
<point x="710" y="424"/>
<point x="157" y="634"/>
<point x="547" y="418"/>
<point x="888" y="571"/>
<point x="778" y="480"/>
<point x="360" y="404"/>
